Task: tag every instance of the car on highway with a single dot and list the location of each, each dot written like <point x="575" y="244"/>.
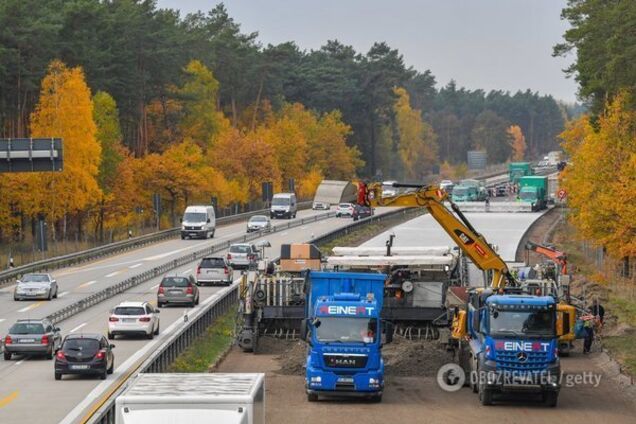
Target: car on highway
<point x="32" y="337"/>
<point x="284" y="205"/>
<point x="85" y="354"/>
<point x="198" y="222"/>
<point x="214" y="270"/>
<point x="360" y="212"/>
<point x="133" y="318"/>
<point x="344" y="209"/>
<point x="259" y="223"/>
<point x="447" y="186"/>
<point x="318" y="205"/>
<point x="501" y="190"/>
<point x="178" y="289"/>
<point x="242" y="255"/>
<point x="35" y="286"/>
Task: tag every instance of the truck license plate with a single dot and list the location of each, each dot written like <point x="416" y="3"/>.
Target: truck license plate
<point x="345" y="380"/>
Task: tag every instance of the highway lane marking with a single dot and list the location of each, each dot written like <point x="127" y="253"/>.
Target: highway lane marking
<point x="2" y="319"/>
<point x="112" y="274"/>
<point x="284" y="234"/>
<point x="32" y="306"/>
<point x="172" y="252"/>
<point x="187" y="270"/>
<point x="89" y="283"/>
<point x="8" y="399"/>
<point x="154" y="287"/>
<point x="134" y="266"/>
<point x="19" y="362"/>
<point x="78" y="327"/>
<point x="63" y="294"/>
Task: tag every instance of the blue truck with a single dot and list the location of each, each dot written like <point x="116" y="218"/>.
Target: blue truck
<point x="344" y="330"/>
<point x="512" y="345"/>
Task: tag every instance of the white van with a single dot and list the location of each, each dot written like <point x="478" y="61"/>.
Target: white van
<point x="198" y="221"/>
<point x="283" y="206"/>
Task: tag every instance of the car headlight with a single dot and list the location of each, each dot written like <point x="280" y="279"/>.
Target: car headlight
<point x="315" y="380"/>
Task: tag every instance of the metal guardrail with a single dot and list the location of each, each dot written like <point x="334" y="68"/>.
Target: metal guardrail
<point x="108" y="292"/>
<point x="57" y="262"/>
<point x="162" y="357"/>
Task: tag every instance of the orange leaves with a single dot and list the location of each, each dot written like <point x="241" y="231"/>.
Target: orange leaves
<point x="518" y="143"/>
<point x="601" y="179"/>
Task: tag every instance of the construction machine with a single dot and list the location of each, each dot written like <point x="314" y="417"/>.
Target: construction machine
<point x="505" y="338"/>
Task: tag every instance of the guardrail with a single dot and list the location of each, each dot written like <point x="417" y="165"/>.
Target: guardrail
<point x="57" y="262"/>
<point x="162" y="357"/>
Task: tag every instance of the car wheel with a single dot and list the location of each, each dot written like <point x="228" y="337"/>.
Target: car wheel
<point x="7" y="356"/>
<point x="157" y="330"/>
<point x="50" y="295"/>
<point x="182" y="237"/>
<point x="151" y="335"/>
<point x="159" y="305"/>
<point x="49" y="355"/>
<point x="112" y="367"/>
<point x="58" y="376"/>
<point x="111" y="336"/>
<point x="55" y="297"/>
<point x="17" y="299"/>
<point x="103" y="375"/>
<point x="197" y="302"/>
<point x="213" y="231"/>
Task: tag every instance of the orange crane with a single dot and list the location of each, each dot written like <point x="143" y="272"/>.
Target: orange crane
<point x="556" y="256"/>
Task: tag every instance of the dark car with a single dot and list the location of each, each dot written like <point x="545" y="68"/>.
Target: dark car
<point x="32" y="337"/>
<point x="360" y="212"/>
<point x="85" y="354"/>
<point x="501" y="191"/>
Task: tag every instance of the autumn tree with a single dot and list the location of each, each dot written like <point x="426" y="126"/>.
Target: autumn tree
<point x="517" y="142"/>
<point x="490" y="133"/>
<point x="65" y="110"/>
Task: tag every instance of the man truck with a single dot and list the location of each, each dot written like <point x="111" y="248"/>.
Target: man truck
<point x="343" y="328"/>
<point x="516" y="170"/>
<point x="534" y="190"/>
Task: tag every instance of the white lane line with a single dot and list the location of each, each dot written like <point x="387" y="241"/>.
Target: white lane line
<point x="63" y="294"/>
<point x="2" y="319"/>
<point x="154" y="287"/>
<point x="284" y="234"/>
<point x="134" y="266"/>
<point x="88" y="283"/>
<point x="78" y="327"/>
<point x="19" y="362"/>
<point x="112" y="274"/>
<point x="28" y="308"/>
<point x="187" y="270"/>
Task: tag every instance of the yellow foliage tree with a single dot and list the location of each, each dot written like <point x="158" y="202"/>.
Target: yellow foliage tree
<point x="517" y="142"/>
<point x="309" y="183"/>
<point x="65" y="110"/>
<point x="601" y="181"/>
<point x="417" y="145"/>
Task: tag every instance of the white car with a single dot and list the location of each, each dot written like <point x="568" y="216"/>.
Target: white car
<point x="35" y="286"/>
<point x="325" y="206"/>
<point x="446" y="185"/>
<point x="259" y="223"/>
<point x="344" y="209"/>
<point x="133" y="318"/>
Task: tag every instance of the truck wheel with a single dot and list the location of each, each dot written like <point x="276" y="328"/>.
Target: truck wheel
<point x="312" y="397"/>
<point x="485" y="396"/>
<point x="550" y="398"/>
<point x="473" y="382"/>
<point x="376" y="399"/>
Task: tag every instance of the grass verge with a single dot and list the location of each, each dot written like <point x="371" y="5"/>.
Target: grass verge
<point x="207" y="349"/>
<point x="623" y="348"/>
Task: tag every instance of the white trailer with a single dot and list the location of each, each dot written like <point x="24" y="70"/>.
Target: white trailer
<point x="195" y="398"/>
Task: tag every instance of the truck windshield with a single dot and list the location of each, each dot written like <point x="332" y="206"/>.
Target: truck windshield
<point x="195" y="217"/>
<point x="527" y="195"/>
<point x="460" y="191"/>
<point x="346" y="330"/>
<point x="537" y="322"/>
<point x="280" y="201"/>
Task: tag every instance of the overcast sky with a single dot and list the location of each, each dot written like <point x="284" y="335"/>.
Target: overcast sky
<point x="488" y="44"/>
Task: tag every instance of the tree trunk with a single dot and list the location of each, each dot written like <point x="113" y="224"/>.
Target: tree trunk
<point x="257" y="105"/>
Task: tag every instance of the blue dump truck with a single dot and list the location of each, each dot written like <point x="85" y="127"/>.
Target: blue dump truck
<point x="512" y="345"/>
<point x="534" y="190"/>
<point x="343" y="328"/>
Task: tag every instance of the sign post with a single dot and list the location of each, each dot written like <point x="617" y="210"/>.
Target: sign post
<point x="31" y="155"/>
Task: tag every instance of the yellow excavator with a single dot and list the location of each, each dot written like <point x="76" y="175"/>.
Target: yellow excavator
<point x="502" y="327"/>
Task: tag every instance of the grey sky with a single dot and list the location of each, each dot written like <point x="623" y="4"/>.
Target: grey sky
<point x="488" y="44"/>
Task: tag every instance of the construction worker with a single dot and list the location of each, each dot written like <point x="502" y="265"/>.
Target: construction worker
<point x="588" y="327"/>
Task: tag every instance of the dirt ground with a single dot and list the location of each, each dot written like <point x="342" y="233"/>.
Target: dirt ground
<point x="416" y="398"/>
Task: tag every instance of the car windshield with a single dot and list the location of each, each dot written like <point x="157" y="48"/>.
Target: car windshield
<point x="280" y="201"/>
<point x="35" y="278"/>
<point x="195" y="217"/>
<point x="86" y="345"/>
<point x="259" y="218"/>
<point x="129" y="310"/>
<point x="175" y="282"/>
<point x="212" y="263"/>
<point x="27" y="328"/>
<point x="346" y="330"/>
<point x="344" y="205"/>
<point x="240" y="249"/>
<point x="537" y="322"/>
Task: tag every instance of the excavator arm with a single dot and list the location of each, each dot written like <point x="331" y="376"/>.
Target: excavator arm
<point x="556" y="256"/>
<point x="473" y="244"/>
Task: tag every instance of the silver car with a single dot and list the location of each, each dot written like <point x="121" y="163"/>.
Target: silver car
<point x="32" y="337"/>
<point x="35" y="286"/>
<point x="259" y="223"/>
<point x="213" y="270"/>
<point x="242" y="255"/>
<point x="178" y="289"/>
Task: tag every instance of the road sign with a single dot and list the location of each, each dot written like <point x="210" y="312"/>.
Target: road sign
<point x="31" y="154"/>
<point x="562" y="193"/>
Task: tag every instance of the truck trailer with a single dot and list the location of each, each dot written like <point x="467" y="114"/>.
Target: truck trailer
<point x="516" y="170"/>
<point x="193" y="398"/>
<point x="343" y="327"/>
<point x="533" y="190"/>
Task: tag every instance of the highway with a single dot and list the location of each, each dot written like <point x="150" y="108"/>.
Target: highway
<point x="29" y="381"/>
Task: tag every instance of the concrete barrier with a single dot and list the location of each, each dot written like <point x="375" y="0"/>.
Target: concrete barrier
<point x="494" y="207"/>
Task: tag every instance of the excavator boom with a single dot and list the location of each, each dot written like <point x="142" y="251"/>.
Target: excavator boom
<point x="556" y="256"/>
<point x="473" y="244"/>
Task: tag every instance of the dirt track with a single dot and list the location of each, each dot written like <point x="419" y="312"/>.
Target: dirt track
<point x="419" y="400"/>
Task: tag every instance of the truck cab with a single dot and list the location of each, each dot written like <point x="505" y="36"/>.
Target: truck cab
<point x="465" y="193"/>
<point x="516" y="170"/>
<point x="513" y="345"/>
<point x="344" y="331"/>
<point x="533" y="190"/>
